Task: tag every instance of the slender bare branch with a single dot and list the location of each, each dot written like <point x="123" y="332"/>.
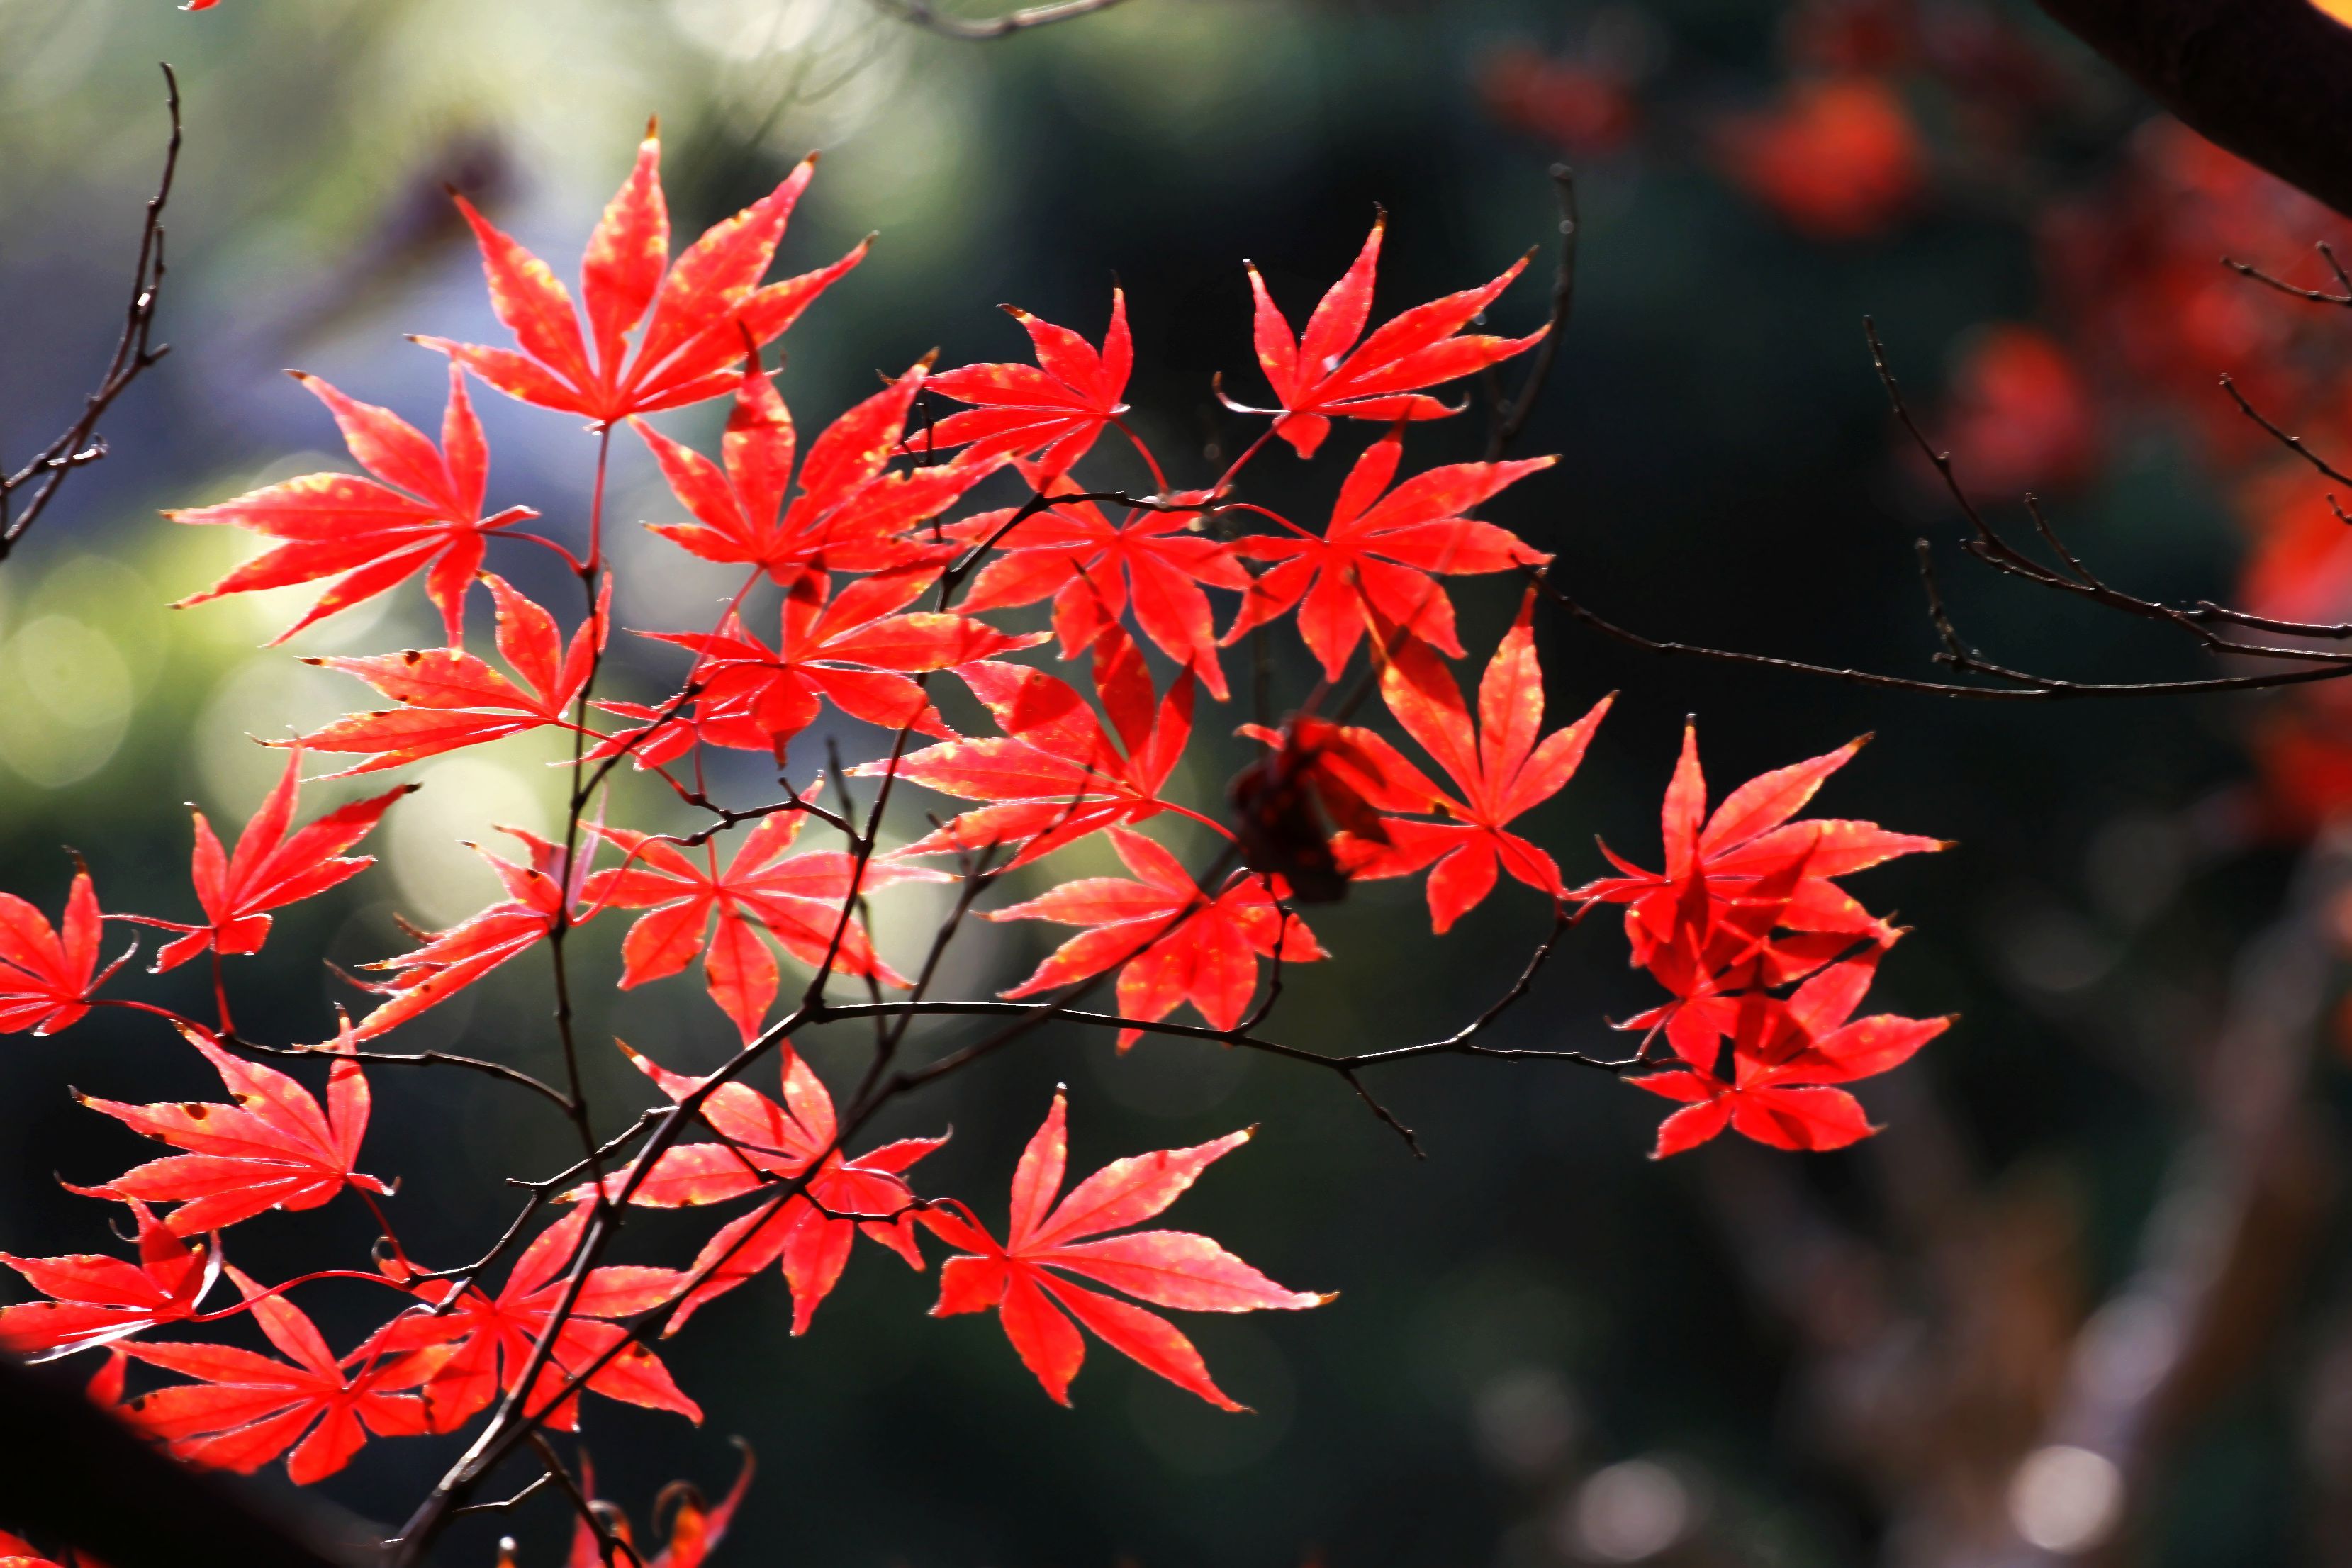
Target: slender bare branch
<point x="1511" y="417"/>
<point x="135" y="353"/>
<point x="2292" y="443"/>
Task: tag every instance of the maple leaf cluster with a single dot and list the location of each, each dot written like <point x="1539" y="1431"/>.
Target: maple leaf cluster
<point x="867" y="563"/>
<point x="1765" y="956"/>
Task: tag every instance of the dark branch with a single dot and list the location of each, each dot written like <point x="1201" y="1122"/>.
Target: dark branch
<point x="1510" y="418"/>
<point x="2269" y="80"/>
<point x="2315" y="296"/>
<point x="2006" y="683"/>
<point x="2292" y="443"/>
<point x="79" y="445"/>
<point x="66" y="1468"/>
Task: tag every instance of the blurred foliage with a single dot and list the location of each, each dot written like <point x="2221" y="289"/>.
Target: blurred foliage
<point x="1546" y="1346"/>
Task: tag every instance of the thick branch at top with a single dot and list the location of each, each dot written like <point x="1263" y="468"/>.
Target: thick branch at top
<point x="2269" y="80"/>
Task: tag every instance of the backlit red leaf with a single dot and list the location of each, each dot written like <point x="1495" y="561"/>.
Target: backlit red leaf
<point x="1325" y="373"/>
<point x="1052" y="410"/>
<point x="1716" y="865"/>
<point x="852" y="513"/>
<point x="94" y="1299"/>
<point x="452" y="698"/>
<point x="422" y="512"/>
<point x="247" y="1409"/>
<point x="1055" y="775"/>
<point x="1499" y="767"/>
<point x="47" y="973"/>
<point x="1382" y="554"/>
<point x="796" y="899"/>
<point x="697" y="313"/>
<point x="1176" y="942"/>
<point x="1787" y="1054"/>
<point x="485" y="1338"/>
<point x="859" y="649"/>
<point x="1029" y="1278"/>
<point x="274" y="1147"/>
<point x="456" y="958"/>
<point x="1153" y="562"/>
<point x="269" y="870"/>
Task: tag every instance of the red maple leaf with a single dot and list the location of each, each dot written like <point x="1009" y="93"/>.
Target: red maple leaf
<point x="854" y="647"/>
<point x="15" y="1551"/>
<point x="1179" y="942"/>
<point x="704" y="310"/>
<point x="1784" y="1055"/>
<point x="1501" y="768"/>
<point x="489" y="1339"/>
<point x="1318" y="779"/>
<point x="249" y="1408"/>
<point x="1324" y="373"/>
<point x="452" y="698"/>
<point x="1054" y="408"/>
<point x="1382" y="554"/>
<point x="456" y="958"/>
<point x="427" y="513"/>
<point x="851" y="511"/>
<point x="48" y="974"/>
<point x="1029" y="1278"/>
<point x="765" y="1143"/>
<point x="269" y="870"/>
<point x="1055" y="777"/>
<point x="665" y="731"/>
<point x="797" y="899"/>
<point x="1154" y="562"/>
<point x="273" y="1148"/>
<point x="1707" y="969"/>
<point x="96" y="1300"/>
<point x="1714" y="865"/>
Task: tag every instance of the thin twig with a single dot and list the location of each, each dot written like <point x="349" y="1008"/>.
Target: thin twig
<point x="2292" y="443"/>
<point x="415" y="1058"/>
<point x="922" y="15"/>
<point x="135" y="352"/>
<point x="1512" y="417"/>
<point x="531" y="1488"/>
<point x="2006" y="683"/>
<point x="2315" y="296"/>
<point x="610" y="1544"/>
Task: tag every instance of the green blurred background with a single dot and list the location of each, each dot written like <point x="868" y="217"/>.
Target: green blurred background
<point x="1548" y="1348"/>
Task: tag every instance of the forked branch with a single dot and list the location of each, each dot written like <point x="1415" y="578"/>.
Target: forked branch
<point x="2071" y="576"/>
<point x="135" y="352"/>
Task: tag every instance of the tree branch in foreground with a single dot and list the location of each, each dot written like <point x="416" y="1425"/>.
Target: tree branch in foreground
<point x="2269" y="80"/>
<point x="67" y="1468"/>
